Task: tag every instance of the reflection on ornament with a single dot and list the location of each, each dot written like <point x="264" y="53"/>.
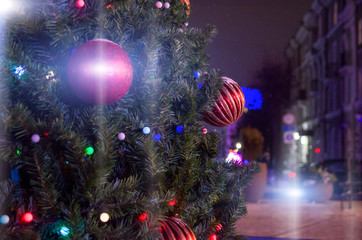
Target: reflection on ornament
<point x="99" y="72"/>
<point x="235" y="157"/>
<point x="104" y="217"/>
<point x="204" y="130"/>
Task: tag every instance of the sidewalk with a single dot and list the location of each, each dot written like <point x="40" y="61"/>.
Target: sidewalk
<point x="300" y="219"/>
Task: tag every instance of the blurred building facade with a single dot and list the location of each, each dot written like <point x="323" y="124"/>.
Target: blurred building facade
<point x="325" y="60"/>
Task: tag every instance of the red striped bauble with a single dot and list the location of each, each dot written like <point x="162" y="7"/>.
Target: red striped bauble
<point x="175" y="229"/>
<point x="229" y="105"/>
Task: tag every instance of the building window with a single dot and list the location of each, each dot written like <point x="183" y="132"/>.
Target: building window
<point x="360" y="31"/>
<point x="335" y="13"/>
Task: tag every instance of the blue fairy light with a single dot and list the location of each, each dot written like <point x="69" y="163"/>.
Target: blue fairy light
<point x="19" y="71"/>
<point x="253" y="98"/>
<point x="200" y="85"/>
<point x="64" y="231"/>
<point x="246" y="162"/>
<point x="180" y="129"/>
<point x="146" y="130"/>
<point x="157" y="137"/>
<point x="197" y="74"/>
<point x="4" y="219"/>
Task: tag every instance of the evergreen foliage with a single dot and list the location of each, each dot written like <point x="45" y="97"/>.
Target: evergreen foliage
<point x="64" y="187"/>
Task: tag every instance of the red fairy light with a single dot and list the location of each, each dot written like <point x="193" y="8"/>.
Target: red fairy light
<point x="218" y="227"/>
<point x="213" y="237"/>
<point x="172" y="203"/>
<point x="27" y="217"/>
<point x="142" y="217"/>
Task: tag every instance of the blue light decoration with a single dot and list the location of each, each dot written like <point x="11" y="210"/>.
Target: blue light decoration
<point x="64" y="231"/>
<point x="4" y="219"/>
<point x="146" y="130"/>
<point x="253" y="98"/>
<point x="200" y="85"/>
<point x="19" y="71"/>
<point x="246" y="162"/>
<point x="197" y="74"/>
<point x="180" y="129"/>
<point x="157" y="137"/>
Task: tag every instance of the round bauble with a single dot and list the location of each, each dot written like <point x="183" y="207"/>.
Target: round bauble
<point x="167" y="5"/>
<point x="99" y="72"/>
<point x="174" y="228"/>
<point x="229" y="105"/>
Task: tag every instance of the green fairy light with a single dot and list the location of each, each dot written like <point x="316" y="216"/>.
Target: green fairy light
<point x="18" y="152"/>
<point x="89" y="150"/>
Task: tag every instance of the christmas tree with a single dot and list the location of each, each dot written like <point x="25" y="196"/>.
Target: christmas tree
<point x="126" y="157"/>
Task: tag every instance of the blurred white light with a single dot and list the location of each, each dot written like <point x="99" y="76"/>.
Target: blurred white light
<point x="296" y="135"/>
<point x="304" y="140"/>
<point x="7" y="6"/>
<point x="294" y="192"/>
<point x="238" y="145"/>
<point x="104" y="217"/>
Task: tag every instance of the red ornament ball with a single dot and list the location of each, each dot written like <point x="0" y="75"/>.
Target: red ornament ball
<point x="100" y="72"/>
<point x="80" y="3"/>
<point x="229" y="105"/>
<point x="174" y="228"/>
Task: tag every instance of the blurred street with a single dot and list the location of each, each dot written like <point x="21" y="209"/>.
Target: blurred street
<point x="287" y="218"/>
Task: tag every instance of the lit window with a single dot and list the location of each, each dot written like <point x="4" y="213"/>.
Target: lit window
<point x="335" y="13"/>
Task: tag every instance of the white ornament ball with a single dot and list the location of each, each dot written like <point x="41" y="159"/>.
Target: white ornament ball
<point x="167" y="5"/>
<point x="35" y="138"/>
<point x="121" y="136"/>
<point x="158" y="4"/>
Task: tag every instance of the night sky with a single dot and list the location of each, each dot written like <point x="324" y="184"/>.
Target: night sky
<point x="250" y="32"/>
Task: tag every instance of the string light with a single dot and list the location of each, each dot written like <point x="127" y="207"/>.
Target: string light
<point x="204" y="130"/>
<point x="104" y="217"/>
<point x="64" y="231"/>
<point x="80" y="3"/>
<point x="4" y="219"/>
<point x="89" y="150"/>
<point x="27" y="217"/>
<point x="146" y="130"/>
<point x="180" y="129"/>
<point x="142" y="217"/>
<point x="157" y="137"/>
<point x="172" y="203"/>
